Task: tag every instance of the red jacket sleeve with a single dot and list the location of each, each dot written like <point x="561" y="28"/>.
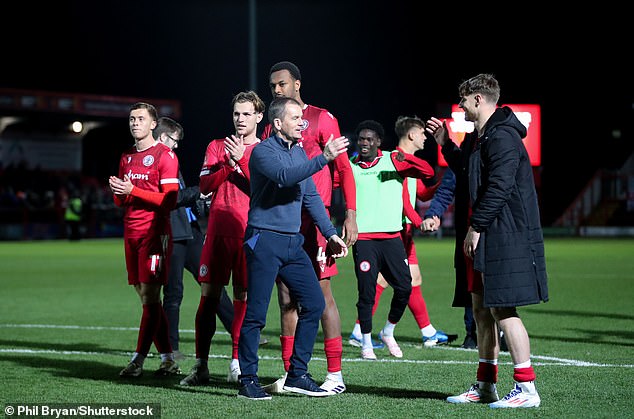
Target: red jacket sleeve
<point x="411" y="166"/>
<point x="166" y="199"/>
<point x="215" y="168"/>
<point x="409" y="211"/>
<point x="424" y="192"/>
<point x="243" y="164"/>
<point x="343" y="176"/>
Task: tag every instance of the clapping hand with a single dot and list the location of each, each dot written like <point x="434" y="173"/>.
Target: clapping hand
<point x="234" y="147"/>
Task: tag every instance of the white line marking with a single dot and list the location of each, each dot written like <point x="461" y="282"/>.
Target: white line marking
<point x="545" y="360"/>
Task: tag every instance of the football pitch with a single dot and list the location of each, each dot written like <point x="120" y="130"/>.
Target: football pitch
<point x="69" y="325"/>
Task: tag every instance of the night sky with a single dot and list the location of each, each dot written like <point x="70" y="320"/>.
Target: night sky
<point x="358" y="61"/>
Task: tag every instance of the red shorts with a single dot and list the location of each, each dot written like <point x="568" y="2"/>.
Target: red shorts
<point x="407" y="235"/>
<point x="147" y="259"/>
<point x="474" y="278"/>
<point x="223" y="258"/>
<point x="317" y="248"/>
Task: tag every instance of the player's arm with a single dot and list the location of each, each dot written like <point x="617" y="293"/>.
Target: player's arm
<point x="165" y="199"/>
<point x="235" y="148"/>
<point x="443" y="196"/>
<point x="408" y="165"/>
<point x="315" y="207"/>
<point x="409" y="211"/>
<point x="167" y="195"/>
<point x="215" y="168"/>
<point x="343" y="177"/>
<point x="425" y="192"/>
<point x="119" y="196"/>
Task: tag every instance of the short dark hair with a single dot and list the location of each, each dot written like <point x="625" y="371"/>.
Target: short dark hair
<point x="148" y="106"/>
<point x="484" y="84"/>
<point x="277" y="108"/>
<point x="287" y="65"/>
<point x="168" y="126"/>
<point x="371" y="125"/>
<point x="249" y="96"/>
<point x="405" y="123"/>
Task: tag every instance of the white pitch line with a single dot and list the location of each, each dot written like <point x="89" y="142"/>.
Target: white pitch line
<point x="73" y="327"/>
<point x="545" y="360"/>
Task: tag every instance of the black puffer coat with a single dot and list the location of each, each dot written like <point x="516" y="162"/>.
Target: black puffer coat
<point x="505" y="210"/>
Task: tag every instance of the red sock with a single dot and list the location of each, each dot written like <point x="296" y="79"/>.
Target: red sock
<point x="239" y="311"/>
<point x="161" y="337"/>
<point x="150" y="320"/>
<point x="524" y="374"/>
<point x="418" y="307"/>
<point x="334" y="350"/>
<point x="287" y="350"/>
<point x="205" y="327"/>
<point x="377" y="297"/>
<point x="487" y="372"/>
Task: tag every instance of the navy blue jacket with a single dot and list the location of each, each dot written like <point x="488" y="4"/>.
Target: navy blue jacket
<point x="281" y="182"/>
<point x="443" y="196"/>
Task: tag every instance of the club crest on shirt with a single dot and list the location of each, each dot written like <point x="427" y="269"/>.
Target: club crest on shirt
<point x="148" y="160"/>
<point x="364" y="266"/>
<point x="305" y="124"/>
<point x="203" y="270"/>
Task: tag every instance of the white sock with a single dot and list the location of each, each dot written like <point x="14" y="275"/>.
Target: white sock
<point x="367" y="341"/>
<point x="356" y="330"/>
<point x="428" y="331"/>
<point x="167" y="357"/>
<point x="528" y="386"/>
<point x="234" y="363"/>
<point x="335" y="376"/>
<point x="526" y="364"/>
<point x="388" y="329"/>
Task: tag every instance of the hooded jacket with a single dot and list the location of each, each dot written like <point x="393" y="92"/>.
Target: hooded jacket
<point x="510" y="253"/>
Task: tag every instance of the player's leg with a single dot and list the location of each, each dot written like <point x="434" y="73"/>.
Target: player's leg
<point x="398" y="276"/>
<point x="356" y="338"/>
<point x="173" y="292"/>
<point x="239" y="281"/>
<point x="524" y="393"/>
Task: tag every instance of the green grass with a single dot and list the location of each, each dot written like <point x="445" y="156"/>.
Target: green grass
<point x="69" y="324"/>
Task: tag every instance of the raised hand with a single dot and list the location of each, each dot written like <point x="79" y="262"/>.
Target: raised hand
<point x="335" y="146"/>
<point x="438" y="129"/>
<point x="234" y="147"/>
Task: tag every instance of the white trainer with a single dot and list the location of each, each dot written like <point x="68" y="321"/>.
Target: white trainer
<point x="477" y="393"/>
<point x="333" y="386"/>
<point x="368" y="354"/>
<point x="523" y="395"/>
<point x="391" y="344"/>
<point x="277" y="386"/>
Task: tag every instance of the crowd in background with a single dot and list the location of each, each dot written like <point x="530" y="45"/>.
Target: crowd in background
<point x="33" y="203"/>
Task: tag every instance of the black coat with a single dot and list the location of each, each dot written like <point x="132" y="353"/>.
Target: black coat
<point x="187" y="197"/>
<point x="457" y="158"/>
<point x="505" y="210"/>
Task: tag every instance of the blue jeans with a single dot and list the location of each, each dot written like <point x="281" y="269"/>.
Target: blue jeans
<point x="269" y="255"/>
